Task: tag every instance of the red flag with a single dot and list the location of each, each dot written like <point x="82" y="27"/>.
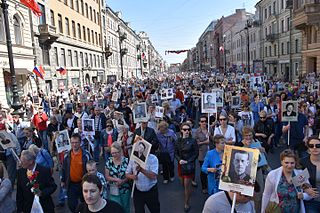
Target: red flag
<point x="43" y="73"/>
<point x="62" y="71"/>
<point x="37" y="72"/>
<point x="33" y="5"/>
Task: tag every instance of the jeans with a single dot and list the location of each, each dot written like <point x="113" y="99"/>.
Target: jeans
<point x="312" y="206"/>
<point x="11" y="166"/>
<point x="44" y="139"/>
<point x="74" y="194"/>
<point x="149" y="198"/>
<point x="168" y="170"/>
<point x="96" y="150"/>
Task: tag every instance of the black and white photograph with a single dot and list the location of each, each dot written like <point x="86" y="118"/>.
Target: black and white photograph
<point x="208" y="103"/>
<point x="159" y="112"/>
<point x="255" y="82"/>
<point x="154" y="98"/>
<point x="83" y="98"/>
<point x="36" y="99"/>
<point x="111" y="79"/>
<point x="88" y="126"/>
<point x="239" y="169"/>
<point x="289" y="111"/>
<point x="235" y="102"/>
<point x="140" y="112"/>
<point x="219" y="97"/>
<point x="196" y="93"/>
<point x="140" y="151"/>
<point x="114" y="96"/>
<point x="6" y="140"/>
<point x="166" y="94"/>
<point x="63" y="141"/>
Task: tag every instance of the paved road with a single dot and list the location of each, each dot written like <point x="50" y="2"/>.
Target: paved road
<point x="171" y="195"/>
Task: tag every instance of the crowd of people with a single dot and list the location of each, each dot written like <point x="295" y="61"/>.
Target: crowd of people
<point x="182" y="132"/>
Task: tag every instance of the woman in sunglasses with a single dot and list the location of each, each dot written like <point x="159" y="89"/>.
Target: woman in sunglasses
<point x="312" y="163"/>
<point x="226" y="130"/>
<point x="279" y="192"/>
<point x="109" y="135"/>
<point x="186" y="152"/>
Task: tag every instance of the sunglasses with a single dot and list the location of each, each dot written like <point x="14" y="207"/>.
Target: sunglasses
<point x="108" y="126"/>
<point x="222" y="119"/>
<point x="262" y="117"/>
<point x="186" y="130"/>
<point x="203" y="121"/>
<point x="314" y="146"/>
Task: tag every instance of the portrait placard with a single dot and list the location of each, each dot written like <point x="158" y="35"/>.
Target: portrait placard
<point x="196" y="93"/>
<point x="208" y="103"/>
<point x="239" y="168"/>
<point x="36" y="99"/>
<point x="301" y="179"/>
<point x="289" y="111"/>
<point x="166" y="94"/>
<point x="83" y="98"/>
<point x="114" y="96"/>
<point x="219" y="97"/>
<point x="154" y="98"/>
<point x="159" y="112"/>
<point x="88" y="126"/>
<point x="235" y="102"/>
<point x="140" y="151"/>
<point x="140" y="112"/>
<point x="62" y="141"/>
<point x="6" y="140"/>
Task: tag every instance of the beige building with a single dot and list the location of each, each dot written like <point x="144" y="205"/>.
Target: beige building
<point x="306" y="17"/>
<point x="20" y="32"/>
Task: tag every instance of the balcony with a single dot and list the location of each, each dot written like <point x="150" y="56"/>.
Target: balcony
<point x="306" y="14"/>
<point x="47" y="33"/>
<point x="272" y="37"/>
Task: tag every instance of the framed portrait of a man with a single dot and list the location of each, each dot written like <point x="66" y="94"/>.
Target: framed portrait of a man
<point x="239" y="168"/>
<point x="159" y="112"/>
<point x="88" y="126"/>
<point x="6" y="140"/>
<point x="154" y="98"/>
<point x="208" y="103"/>
<point x="140" y="112"/>
<point x="235" y="102"/>
<point x="62" y="141"/>
<point x="219" y="97"/>
<point x="289" y="111"/>
<point x="140" y="151"/>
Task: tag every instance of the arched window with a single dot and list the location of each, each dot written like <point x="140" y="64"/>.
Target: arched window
<point x="17" y="30"/>
<point x="2" y="34"/>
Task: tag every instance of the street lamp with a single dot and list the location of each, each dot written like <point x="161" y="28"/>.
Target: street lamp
<point x="248" y="25"/>
<point x="224" y="53"/>
<point x="122" y="37"/>
<point x="16" y="105"/>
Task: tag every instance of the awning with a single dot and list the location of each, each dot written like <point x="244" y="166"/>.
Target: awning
<point x="19" y="71"/>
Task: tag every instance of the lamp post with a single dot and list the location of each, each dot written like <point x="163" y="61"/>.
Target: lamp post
<point x="16" y="105"/>
<point x="122" y="52"/>
<point x="248" y="25"/>
<point x="225" y="53"/>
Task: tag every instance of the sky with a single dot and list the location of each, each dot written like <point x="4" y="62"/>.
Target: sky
<point x="175" y="24"/>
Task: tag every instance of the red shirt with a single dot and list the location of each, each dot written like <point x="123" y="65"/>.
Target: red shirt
<point x="180" y="96"/>
<point x="40" y="121"/>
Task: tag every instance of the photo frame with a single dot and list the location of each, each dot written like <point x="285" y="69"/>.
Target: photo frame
<point x="83" y="98"/>
<point x="62" y="141"/>
<point x="154" y="98"/>
<point x="166" y="94"/>
<point x="235" y="102"/>
<point x="140" y="151"/>
<point x="140" y="112"/>
<point x="114" y="96"/>
<point x="289" y="111"/>
<point x="6" y="140"/>
<point x="36" y="99"/>
<point x="196" y="93"/>
<point x="159" y="112"/>
<point x="239" y="169"/>
<point x="208" y="104"/>
<point x="88" y="126"/>
<point x="219" y="97"/>
<point x="111" y="79"/>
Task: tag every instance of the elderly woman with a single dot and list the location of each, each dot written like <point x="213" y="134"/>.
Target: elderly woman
<point x="7" y="204"/>
<point x="167" y="139"/>
<point x="109" y="135"/>
<point x="312" y="163"/>
<point x="225" y="129"/>
<point x="212" y="164"/>
<point x="186" y="152"/>
<point x="115" y="173"/>
<point x="279" y="189"/>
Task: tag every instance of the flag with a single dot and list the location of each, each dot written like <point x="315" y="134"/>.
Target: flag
<point x="32" y="5"/>
<point x="37" y="72"/>
<point x="42" y="71"/>
<point x="62" y="71"/>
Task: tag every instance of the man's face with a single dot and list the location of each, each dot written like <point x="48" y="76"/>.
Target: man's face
<point x="140" y="148"/>
<point x="209" y="98"/>
<point x="75" y="144"/>
<point x="96" y="111"/>
<point x="91" y="193"/>
<point x="24" y="162"/>
<point x="92" y="169"/>
<point x="290" y="108"/>
<point x="240" y="163"/>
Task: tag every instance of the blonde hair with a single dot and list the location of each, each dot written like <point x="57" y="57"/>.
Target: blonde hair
<point x="163" y="124"/>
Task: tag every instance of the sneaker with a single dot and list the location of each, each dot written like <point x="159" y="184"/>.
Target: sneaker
<point x="165" y="181"/>
<point x="194" y="184"/>
<point x="172" y="179"/>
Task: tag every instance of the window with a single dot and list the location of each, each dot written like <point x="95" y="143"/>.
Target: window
<point x="96" y="34"/>
<point x="90" y="13"/>
<point x="74" y="29"/>
<point x="63" y="58"/>
<point x="99" y="39"/>
<point x="42" y="18"/>
<point x="56" y="55"/>
<point x="60" y="23"/>
<point x="98" y="21"/>
<point x="69" y="61"/>
<point x="297" y="46"/>
<point x="71" y="4"/>
<point x="288" y="47"/>
<point x="266" y="31"/>
<point x="102" y="61"/>
<point x="82" y="7"/>
<point x="45" y="55"/>
<point x="76" y="63"/>
<point x="274" y="8"/>
<point x="67" y="26"/>
<point x="86" y="60"/>
<point x="91" y="64"/>
<point x="79" y="31"/>
<point x="94" y="16"/>
<point x="2" y="34"/>
<point x="17" y="30"/>
<point x="98" y="59"/>
<point x="84" y="33"/>
<point x="270" y="52"/>
<point x="265" y="13"/>
<point x="275" y="50"/>
<point x="92" y="36"/>
<point x="266" y="51"/>
<point x="88" y="31"/>
<point x="87" y="12"/>
<point x="288" y="23"/>
<point x="282" y="4"/>
<point x="81" y="59"/>
<point x="52" y="18"/>
<point x="282" y="25"/>
<point x="282" y="48"/>
<point x="269" y="10"/>
<point x="66" y="2"/>
<point x="77" y="5"/>
<point x="95" y="60"/>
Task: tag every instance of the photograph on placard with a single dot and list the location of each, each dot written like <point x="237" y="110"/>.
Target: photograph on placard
<point x="315" y="87"/>
<point x="140" y="151"/>
<point x="163" y="94"/>
<point x="289" y="111"/>
<point x="83" y="98"/>
<point x="62" y="141"/>
<point x="88" y="125"/>
<point x="114" y="96"/>
<point x="235" y="102"/>
<point x="208" y="103"/>
<point x="239" y="168"/>
<point x="169" y="93"/>
<point x="159" y="112"/>
<point x="196" y="93"/>
<point x="111" y="79"/>
<point x="36" y="99"/>
<point x="154" y="98"/>
<point x="219" y="97"/>
<point x="140" y="112"/>
<point x="6" y="140"/>
<point x="264" y="100"/>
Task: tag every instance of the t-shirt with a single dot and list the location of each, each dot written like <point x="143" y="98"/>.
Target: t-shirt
<point x="111" y="206"/>
<point x="76" y="168"/>
<point x="218" y="203"/>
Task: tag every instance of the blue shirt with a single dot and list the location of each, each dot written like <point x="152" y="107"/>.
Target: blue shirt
<point x="297" y="129"/>
<point x="256" y="108"/>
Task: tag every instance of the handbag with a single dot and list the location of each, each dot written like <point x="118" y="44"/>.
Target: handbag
<point x="273" y="207"/>
<point x="36" y="206"/>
